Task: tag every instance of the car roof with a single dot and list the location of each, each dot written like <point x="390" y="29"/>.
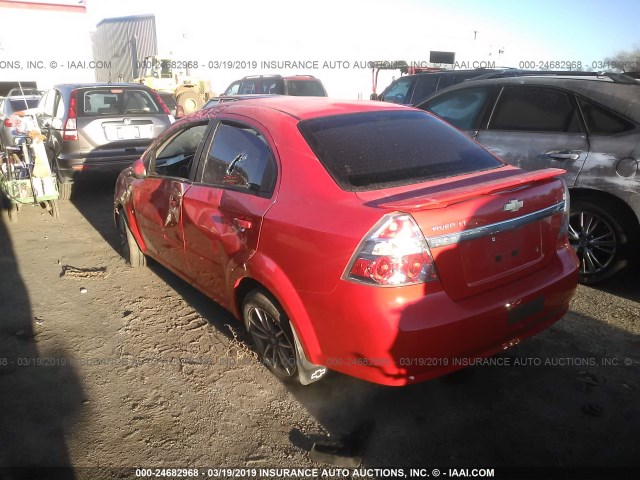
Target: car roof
<point x="476" y="71"/>
<point x="98" y="85"/>
<point x="302" y="108"/>
<point x="621" y="97"/>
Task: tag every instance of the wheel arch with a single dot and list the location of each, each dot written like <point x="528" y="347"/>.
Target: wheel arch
<point x="131" y="221"/>
<point x="622" y="208"/>
<point x="278" y="285"/>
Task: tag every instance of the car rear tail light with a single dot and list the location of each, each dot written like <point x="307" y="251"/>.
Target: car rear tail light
<point x="564" y="227"/>
<point x="394" y="253"/>
<point x="164" y="107"/>
<point x="179" y="111"/>
<point x="70" y="132"/>
<point x="8" y="122"/>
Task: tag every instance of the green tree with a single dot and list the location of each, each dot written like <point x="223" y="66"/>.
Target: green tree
<point x="626" y="61"/>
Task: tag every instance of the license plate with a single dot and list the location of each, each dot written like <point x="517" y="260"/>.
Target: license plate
<point x="526" y="310"/>
<point x="128" y="133"/>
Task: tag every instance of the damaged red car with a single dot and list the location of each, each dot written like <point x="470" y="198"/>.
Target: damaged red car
<point x="361" y="237"/>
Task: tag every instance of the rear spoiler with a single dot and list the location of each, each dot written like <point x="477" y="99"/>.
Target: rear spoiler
<point x="447" y="197"/>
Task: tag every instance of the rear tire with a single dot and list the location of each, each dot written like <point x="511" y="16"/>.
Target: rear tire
<point x="271" y="333"/>
<point x="128" y="246"/>
<point x="602" y="238"/>
<point x="65" y="190"/>
<point x="190" y="101"/>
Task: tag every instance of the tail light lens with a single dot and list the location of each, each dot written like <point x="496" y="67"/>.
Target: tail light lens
<point x="8" y="122"/>
<point x="70" y="132"/>
<point x="164" y="107"/>
<point x="179" y="111"/>
<point x="394" y="253"/>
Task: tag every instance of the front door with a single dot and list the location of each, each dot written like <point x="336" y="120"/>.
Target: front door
<point x="158" y="198"/>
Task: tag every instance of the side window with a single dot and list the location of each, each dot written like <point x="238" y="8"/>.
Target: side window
<point x="273" y="86"/>
<point x="461" y="108"/>
<point x="601" y="121"/>
<point x="233" y="89"/>
<point x="534" y="110"/>
<point x="426" y="85"/>
<point x="46" y="104"/>
<point x="240" y="158"/>
<point x="175" y="157"/>
<point x="397" y="92"/>
<point x="247" y="87"/>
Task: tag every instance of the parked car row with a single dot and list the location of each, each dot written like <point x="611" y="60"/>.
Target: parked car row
<point x="415" y="89"/>
<point x="589" y="127"/>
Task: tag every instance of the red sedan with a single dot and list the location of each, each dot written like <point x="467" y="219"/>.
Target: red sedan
<point x="362" y="237"/>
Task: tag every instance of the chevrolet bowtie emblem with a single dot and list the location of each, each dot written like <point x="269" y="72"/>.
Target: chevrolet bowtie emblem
<point x="513" y="205"/>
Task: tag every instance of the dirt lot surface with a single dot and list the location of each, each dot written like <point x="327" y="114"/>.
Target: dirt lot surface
<point x="141" y="370"/>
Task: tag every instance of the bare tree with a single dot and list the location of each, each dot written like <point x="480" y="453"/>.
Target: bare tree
<point x="625" y="61"/>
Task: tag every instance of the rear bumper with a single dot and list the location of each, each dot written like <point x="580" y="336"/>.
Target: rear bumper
<point x="400" y="336"/>
<point x="73" y="167"/>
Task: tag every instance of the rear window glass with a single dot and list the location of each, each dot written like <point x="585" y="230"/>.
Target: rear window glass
<point x="117" y="101"/>
<point x="602" y="122"/>
<point x="373" y="150"/>
<point x="23" y="104"/>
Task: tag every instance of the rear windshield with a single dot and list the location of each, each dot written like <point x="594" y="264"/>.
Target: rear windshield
<point x="23" y="104"/>
<point x="117" y="101"/>
<point x="374" y="150"/>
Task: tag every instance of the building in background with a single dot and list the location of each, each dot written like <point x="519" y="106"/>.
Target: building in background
<point x="123" y="43"/>
<point x="45" y="42"/>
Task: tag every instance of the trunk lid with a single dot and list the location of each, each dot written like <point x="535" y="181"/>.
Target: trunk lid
<point x="489" y="231"/>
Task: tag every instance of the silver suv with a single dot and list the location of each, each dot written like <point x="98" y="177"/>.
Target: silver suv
<point x="589" y="127"/>
<point x="96" y="129"/>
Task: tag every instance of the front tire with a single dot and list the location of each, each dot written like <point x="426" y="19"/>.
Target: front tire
<point x="128" y="246"/>
<point x="601" y="237"/>
<point x="270" y="331"/>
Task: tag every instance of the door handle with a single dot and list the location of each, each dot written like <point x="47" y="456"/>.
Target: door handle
<point x="563" y="154"/>
<point x="242" y="224"/>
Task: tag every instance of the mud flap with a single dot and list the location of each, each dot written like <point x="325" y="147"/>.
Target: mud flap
<point x="307" y="372"/>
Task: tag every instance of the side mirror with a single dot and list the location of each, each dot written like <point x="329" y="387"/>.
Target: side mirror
<point x="138" y="170"/>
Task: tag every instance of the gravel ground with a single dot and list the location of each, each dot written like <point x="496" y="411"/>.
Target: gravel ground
<point x="141" y="370"/>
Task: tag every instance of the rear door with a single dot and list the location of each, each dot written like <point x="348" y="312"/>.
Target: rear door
<point x="223" y="210"/>
<point x="158" y="197"/>
<point x="537" y="127"/>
